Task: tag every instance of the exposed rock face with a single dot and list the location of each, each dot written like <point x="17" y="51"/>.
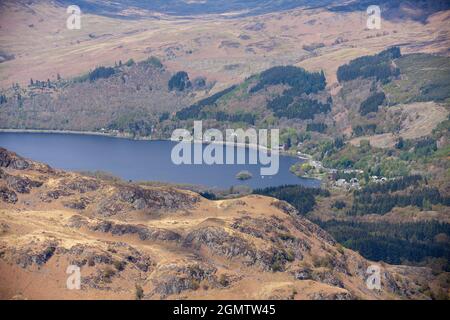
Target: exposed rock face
<point x="19" y="184"/>
<point x="34" y="253"/>
<point x="171" y="243"/>
<point x="139" y="198"/>
<point x="56" y="194"/>
<point x="81" y="185"/>
<point x="176" y="278"/>
<point x="85" y="255"/>
<point x="303" y="224"/>
<point x="80" y="193"/>
<point x="221" y="242"/>
<point x="127" y="198"/>
<point x="79" y="204"/>
<point x="334" y="296"/>
<point x="118" y="229"/>
<point x="11" y="160"/>
<point x="7" y="195"/>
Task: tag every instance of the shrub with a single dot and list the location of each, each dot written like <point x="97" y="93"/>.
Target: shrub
<point x="224" y="281"/>
<point x="372" y="103"/>
<point x="130" y="63"/>
<point x="317" y="127"/>
<point x="323" y="262"/>
<point x="290" y="255"/>
<point x="195" y="284"/>
<point x="180" y="81"/>
<point x="208" y="195"/>
<point x="101" y="72"/>
<point x="139" y="293"/>
<point x="339" y="205"/>
<point x="108" y="273"/>
<point x="119" y="265"/>
<point x="276" y="266"/>
<point x="153" y="61"/>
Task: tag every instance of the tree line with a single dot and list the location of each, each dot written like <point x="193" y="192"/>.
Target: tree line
<point x="302" y="109"/>
<point x="101" y="72"/>
<point x="297" y="78"/>
<point x="392" y="242"/>
<point x="378" y="66"/>
<point x="302" y="198"/>
<point x="382" y="203"/>
<point x="194" y="111"/>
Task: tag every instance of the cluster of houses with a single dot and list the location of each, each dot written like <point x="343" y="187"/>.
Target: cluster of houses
<point x="354" y="183"/>
<point x="378" y="179"/>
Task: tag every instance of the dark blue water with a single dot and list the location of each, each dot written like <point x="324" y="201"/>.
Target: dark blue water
<point x="138" y="160"/>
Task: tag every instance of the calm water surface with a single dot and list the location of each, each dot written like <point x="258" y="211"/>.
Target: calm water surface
<point x="138" y="160"/>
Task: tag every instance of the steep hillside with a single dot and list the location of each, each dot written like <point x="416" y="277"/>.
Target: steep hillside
<point x="380" y="98"/>
<point x="35" y="42"/>
<point x="128" y="99"/>
<point x="133" y="242"/>
<point x="283" y="97"/>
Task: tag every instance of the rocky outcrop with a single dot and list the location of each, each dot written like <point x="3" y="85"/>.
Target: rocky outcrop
<point x="178" y="245"/>
<point x="80" y="185"/>
<point x="18" y="183"/>
<point x="176" y="278"/>
<point x="310" y="229"/>
<point x="332" y="296"/>
<point x="33" y="253"/>
<point x="223" y="243"/>
<point x="79" y="192"/>
<point x="82" y="255"/>
<point x="55" y="195"/>
<point x="118" y="229"/>
<point x="285" y="207"/>
<point x="303" y="224"/>
<point x="78" y="204"/>
<point x="143" y="199"/>
<point x="8" y="195"/>
<point x="116" y="254"/>
<point x="144" y="232"/>
<point x="11" y="160"/>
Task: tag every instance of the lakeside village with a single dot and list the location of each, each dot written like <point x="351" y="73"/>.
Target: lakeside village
<point x="346" y="179"/>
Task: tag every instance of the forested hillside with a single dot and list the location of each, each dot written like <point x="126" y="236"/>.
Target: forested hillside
<point x="126" y="99"/>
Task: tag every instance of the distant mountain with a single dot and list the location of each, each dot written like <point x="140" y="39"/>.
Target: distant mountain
<point x="418" y="10"/>
<point x="194" y="7"/>
<point x="392" y="9"/>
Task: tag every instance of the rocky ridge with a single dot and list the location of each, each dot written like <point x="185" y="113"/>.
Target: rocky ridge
<point x="132" y="241"/>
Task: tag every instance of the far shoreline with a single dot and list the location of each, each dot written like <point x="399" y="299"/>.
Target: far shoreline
<point x="128" y="137"/>
<point x="302" y="157"/>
